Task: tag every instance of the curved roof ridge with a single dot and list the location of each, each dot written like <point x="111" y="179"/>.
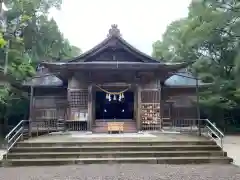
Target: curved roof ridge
<point x="114" y="34"/>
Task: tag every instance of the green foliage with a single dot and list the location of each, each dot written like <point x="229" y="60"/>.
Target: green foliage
<point x="2" y="41"/>
<point x="210" y="36"/>
<point x="4" y="94"/>
<point x="32" y="38"/>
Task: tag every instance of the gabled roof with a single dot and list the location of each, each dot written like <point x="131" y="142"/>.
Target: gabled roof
<point x="43" y="78"/>
<point x="113" y="40"/>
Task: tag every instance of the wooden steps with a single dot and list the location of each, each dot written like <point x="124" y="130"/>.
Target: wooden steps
<point x="102" y="126"/>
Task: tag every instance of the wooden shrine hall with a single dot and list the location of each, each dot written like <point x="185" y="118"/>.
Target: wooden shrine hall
<point x="112" y="82"/>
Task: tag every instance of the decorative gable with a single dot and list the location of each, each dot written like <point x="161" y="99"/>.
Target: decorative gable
<point x="114" y="48"/>
<point x="113" y="55"/>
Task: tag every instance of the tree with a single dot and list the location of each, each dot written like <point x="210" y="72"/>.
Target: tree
<point x="32" y="38"/>
<point x="210" y="36"/>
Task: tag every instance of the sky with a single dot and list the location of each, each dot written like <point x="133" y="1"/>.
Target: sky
<point x="85" y="23"/>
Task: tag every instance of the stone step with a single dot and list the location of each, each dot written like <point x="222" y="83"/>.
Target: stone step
<point x="115" y="154"/>
<point x="112" y="142"/>
<point x="145" y="160"/>
<point x="117" y="148"/>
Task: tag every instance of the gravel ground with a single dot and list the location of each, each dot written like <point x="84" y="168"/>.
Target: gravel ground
<point x="123" y="172"/>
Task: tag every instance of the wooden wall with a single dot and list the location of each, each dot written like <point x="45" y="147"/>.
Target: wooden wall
<point x="152" y="102"/>
<point x="48" y="104"/>
<point x="179" y="103"/>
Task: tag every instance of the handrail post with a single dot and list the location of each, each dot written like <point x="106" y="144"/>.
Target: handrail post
<point x="31" y="111"/>
<point x="215" y="130"/>
<point x="22" y="131"/>
<point x="222" y="145"/>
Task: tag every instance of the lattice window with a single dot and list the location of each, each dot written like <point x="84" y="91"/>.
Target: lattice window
<point x="78" y="98"/>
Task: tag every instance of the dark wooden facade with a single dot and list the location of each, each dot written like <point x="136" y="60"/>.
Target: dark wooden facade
<point x="112" y="65"/>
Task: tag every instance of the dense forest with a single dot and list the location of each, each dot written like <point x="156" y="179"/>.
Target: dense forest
<point x="209" y="36"/>
<point x="27" y="37"/>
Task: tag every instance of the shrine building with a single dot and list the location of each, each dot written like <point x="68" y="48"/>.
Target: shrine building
<point x="113" y="82"/>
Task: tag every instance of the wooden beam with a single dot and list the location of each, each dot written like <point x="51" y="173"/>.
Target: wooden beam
<point x="90" y="106"/>
<point x="138" y="120"/>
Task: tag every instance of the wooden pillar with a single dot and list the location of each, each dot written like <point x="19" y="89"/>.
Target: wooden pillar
<point x="161" y="98"/>
<point x="93" y="105"/>
<point x="135" y="104"/>
<point x="90" y="120"/>
<point x="31" y="108"/>
<point x="138" y="119"/>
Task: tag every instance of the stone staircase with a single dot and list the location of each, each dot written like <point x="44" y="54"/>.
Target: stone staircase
<point x="101" y="126"/>
<point x="105" y="152"/>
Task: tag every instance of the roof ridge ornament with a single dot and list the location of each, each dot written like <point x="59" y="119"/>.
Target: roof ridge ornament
<point x="114" y="31"/>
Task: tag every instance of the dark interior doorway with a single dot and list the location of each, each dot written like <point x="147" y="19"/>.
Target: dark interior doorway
<point x="114" y="110"/>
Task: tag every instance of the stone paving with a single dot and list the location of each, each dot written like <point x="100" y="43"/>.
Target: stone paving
<point x="231" y="144"/>
<point x="123" y="172"/>
<point x="80" y="137"/>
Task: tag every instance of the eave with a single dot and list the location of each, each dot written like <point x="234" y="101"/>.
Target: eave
<point x="70" y="67"/>
<point x="56" y="66"/>
<point x="189" y="86"/>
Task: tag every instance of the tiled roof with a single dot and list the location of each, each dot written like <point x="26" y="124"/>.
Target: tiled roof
<point x="182" y="79"/>
<point x="49" y="80"/>
<point x="43" y="78"/>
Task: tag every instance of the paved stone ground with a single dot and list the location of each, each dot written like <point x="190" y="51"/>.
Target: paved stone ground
<point x="231" y="144"/>
<point x="123" y="172"/>
<point x="72" y="136"/>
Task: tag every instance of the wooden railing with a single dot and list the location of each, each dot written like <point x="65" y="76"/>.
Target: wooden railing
<point x="201" y="126"/>
<point x="26" y="129"/>
<point x="181" y="124"/>
<point x="15" y="134"/>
